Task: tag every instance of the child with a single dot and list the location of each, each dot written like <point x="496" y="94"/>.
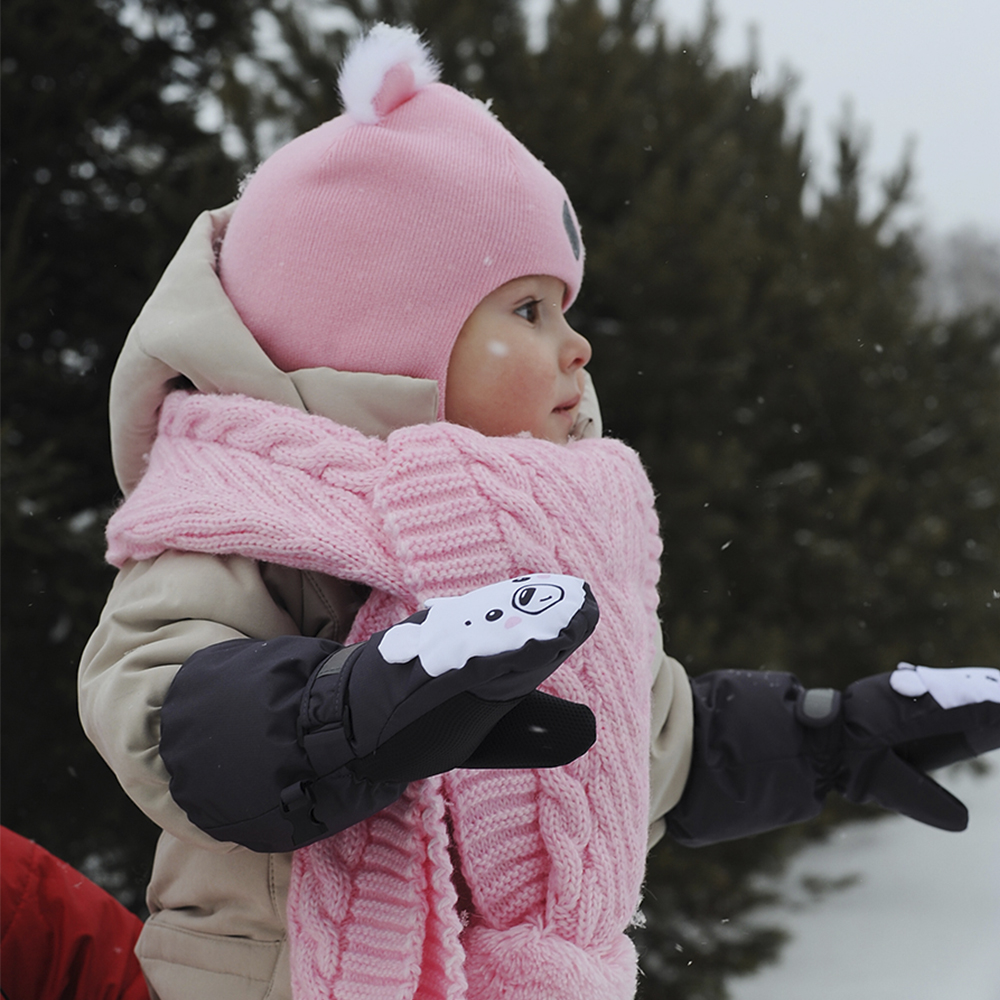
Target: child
<point x="408" y="420"/>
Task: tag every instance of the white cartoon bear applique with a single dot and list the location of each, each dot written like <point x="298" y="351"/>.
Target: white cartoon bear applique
<point x="499" y="618"/>
<point x="950" y="687"/>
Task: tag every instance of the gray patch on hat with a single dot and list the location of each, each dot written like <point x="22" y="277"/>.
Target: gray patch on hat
<point x="574" y="236"/>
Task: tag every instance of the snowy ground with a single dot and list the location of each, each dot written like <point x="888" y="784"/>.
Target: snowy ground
<point x="922" y="922"/>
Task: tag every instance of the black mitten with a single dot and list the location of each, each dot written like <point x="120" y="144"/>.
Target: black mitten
<point x="278" y="744"/>
<point x="767" y="751"/>
<point x="898" y="726"/>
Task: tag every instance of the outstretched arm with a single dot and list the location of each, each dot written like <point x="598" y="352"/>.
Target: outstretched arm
<point x="767" y="751"/>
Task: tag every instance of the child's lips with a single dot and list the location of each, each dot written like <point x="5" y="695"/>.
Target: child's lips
<point x="569" y="405"/>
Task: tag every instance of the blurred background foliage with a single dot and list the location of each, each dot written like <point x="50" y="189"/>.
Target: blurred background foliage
<point x="824" y="447"/>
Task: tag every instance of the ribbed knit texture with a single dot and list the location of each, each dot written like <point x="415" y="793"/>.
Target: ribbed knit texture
<point x="553" y="858"/>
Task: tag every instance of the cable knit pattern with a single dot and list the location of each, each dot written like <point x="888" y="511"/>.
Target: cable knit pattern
<point x="554" y="858"/>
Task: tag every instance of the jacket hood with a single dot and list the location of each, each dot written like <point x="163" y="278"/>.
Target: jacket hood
<point x="190" y="333"/>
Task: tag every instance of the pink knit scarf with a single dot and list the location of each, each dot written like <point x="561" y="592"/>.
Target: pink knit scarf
<point x="553" y="859"/>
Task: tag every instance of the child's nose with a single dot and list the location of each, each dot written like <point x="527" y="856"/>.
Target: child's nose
<point x="576" y="351"/>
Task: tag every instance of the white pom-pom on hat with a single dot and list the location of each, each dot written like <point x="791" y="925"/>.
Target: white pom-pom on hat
<point x="383" y="69"/>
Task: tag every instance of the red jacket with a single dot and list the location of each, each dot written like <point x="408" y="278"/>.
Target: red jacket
<point x="61" y="936"/>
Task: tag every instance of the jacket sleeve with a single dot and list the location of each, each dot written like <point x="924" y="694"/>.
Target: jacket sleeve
<point x="159" y="613"/>
<point x="671" y="736"/>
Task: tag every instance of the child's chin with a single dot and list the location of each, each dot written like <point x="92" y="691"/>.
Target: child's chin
<point x="556" y="435"/>
<point x="559" y="427"/>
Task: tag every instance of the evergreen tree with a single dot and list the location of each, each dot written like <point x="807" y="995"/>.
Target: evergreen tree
<point x="104" y="169"/>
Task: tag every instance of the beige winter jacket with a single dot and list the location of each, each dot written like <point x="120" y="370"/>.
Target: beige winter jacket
<point x="217" y="924"/>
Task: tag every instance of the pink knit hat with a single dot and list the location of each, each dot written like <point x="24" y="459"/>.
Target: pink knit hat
<point x="365" y="244"/>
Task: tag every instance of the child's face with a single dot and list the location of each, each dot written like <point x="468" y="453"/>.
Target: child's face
<point x="517" y="364"/>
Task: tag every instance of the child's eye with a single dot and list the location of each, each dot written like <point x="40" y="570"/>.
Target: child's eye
<point x="529" y="310"/>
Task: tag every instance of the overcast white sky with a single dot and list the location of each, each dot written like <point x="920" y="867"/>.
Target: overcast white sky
<point x="929" y="70"/>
